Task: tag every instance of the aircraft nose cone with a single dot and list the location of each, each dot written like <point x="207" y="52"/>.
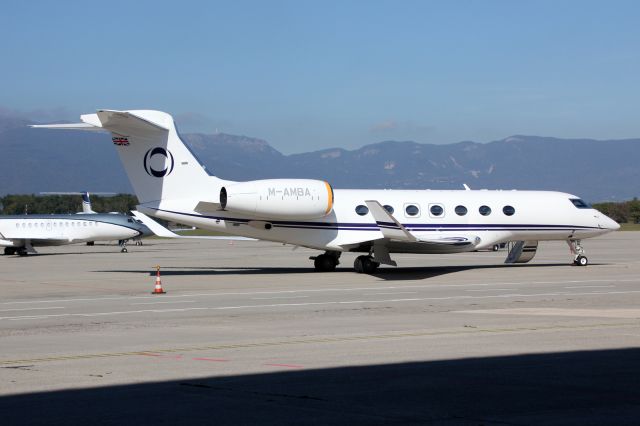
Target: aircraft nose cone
<point x="610" y="223"/>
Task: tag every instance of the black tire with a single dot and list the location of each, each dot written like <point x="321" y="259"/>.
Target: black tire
<point x="8" y="251"/>
<point x="582" y="261"/>
<point x="365" y="265"/>
<point x="124" y="250"/>
<point x="91" y="243"/>
<point x="358" y="264"/>
<point x="369" y="266"/>
<point x="324" y="263"/>
<point x="496" y="247"/>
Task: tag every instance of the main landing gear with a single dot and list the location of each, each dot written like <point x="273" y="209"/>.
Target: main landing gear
<point x="365" y="265"/>
<point x="326" y="262"/>
<point x="576" y="248"/>
<point x="20" y="251"/>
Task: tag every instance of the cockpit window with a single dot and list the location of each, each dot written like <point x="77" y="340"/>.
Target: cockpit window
<point x="579" y="203"/>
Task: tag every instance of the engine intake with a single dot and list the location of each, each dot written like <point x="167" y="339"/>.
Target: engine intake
<point x="279" y="198"/>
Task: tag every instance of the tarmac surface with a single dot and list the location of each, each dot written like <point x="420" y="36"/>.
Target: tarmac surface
<point x="248" y="333"/>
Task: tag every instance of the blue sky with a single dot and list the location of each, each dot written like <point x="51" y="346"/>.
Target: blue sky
<point x="308" y="75"/>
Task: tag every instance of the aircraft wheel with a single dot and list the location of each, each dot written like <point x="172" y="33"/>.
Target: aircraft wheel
<point x="124" y="250"/>
<point x="9" y="251"/>
<point x="357" y="264"/>
<point x="581" y="261"/>
<point x="496" y="247"/>
<point x="91" y="243"/>
<point x="324" y="263"/>
<point x="365" y="265"/>
<point x="369" y="266"/>
<point x="22" y="252"/>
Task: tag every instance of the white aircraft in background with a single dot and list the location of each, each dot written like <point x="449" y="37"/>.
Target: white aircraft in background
<point x="171" y="184"/>
<point x="20" y="234"/>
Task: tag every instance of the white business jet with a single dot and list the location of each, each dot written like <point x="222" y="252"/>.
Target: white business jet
<point x="171" y="184"/>
<point x="20" y="234"/>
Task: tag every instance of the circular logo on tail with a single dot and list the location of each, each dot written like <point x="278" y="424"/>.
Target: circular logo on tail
<point x="148" y="159"/>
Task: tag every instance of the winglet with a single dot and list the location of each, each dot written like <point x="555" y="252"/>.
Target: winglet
<point x="161" y="231"/>
<point x="388" y="224"/>
<point x="155" y="227"/>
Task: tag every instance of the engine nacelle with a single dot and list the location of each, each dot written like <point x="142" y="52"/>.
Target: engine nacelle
<point x="279" y="198"/>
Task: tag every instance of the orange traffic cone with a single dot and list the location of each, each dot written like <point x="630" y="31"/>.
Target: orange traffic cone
<point x="158" y="289"/>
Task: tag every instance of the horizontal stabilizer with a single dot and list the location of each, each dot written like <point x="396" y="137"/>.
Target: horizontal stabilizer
<point x="125" y="123"/>
<point x="70" y="126"/>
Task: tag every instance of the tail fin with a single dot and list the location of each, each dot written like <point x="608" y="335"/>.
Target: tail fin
<point x="158" y="163"/>
<point x="86" y="203"/>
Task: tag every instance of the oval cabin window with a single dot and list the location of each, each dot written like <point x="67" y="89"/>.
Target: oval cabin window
<point x="362" y="210"/>
<point x="436" y="210"/>
<point x="412" y="210"/>
<point x="485" y="210"/>
<point x="461" y="210"/>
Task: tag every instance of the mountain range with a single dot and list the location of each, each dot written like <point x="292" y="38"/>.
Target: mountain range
<point x="36" y="160"/>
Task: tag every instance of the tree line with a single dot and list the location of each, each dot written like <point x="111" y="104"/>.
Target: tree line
<point x="64" y="204"/>
<point x="622" y="212"/>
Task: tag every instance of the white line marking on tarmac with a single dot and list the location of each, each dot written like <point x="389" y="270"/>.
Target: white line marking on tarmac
<point x="591" y="286"/>
<point x="346" y="302"/>
<point x="159" y="303"/>
<point x="397" y="292"/>
<point x="490" y="289"/>
<point x="32" y="309"/>
<point x="249" y="293"/>
<point x="279" y="297"/>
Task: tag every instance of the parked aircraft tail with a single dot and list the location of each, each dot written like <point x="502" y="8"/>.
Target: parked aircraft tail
<point x="86" y="203"/>
<point x="159" y="164"/>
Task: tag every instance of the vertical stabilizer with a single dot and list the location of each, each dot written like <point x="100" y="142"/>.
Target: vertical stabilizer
<point x="86" y="203"/>
<point x="158" y="163"/>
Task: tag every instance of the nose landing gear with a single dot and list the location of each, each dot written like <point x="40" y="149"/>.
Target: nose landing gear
<point x="578" y="251"/>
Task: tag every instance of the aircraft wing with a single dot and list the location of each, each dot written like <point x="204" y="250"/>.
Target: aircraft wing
<point x="388" y="224"/>
<point x="398" y="238"/>
<point x="161" y="231"/>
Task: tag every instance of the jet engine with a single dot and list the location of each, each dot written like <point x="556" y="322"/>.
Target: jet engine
<point x="279" y="198"/>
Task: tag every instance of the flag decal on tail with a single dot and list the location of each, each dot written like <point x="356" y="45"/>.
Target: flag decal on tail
<point x="167" y="156"/>
<point x="120" y="141"/>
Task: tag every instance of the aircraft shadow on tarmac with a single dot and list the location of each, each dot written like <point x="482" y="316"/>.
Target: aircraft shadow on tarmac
<point x="387" y="274"/>
<point x="577" y="388"/>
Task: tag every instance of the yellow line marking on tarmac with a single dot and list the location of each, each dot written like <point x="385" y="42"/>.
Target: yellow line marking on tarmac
<point x="314" y="340"/>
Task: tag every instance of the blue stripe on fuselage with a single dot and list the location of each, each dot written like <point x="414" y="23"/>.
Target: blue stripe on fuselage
<point x="410" y="226"/>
